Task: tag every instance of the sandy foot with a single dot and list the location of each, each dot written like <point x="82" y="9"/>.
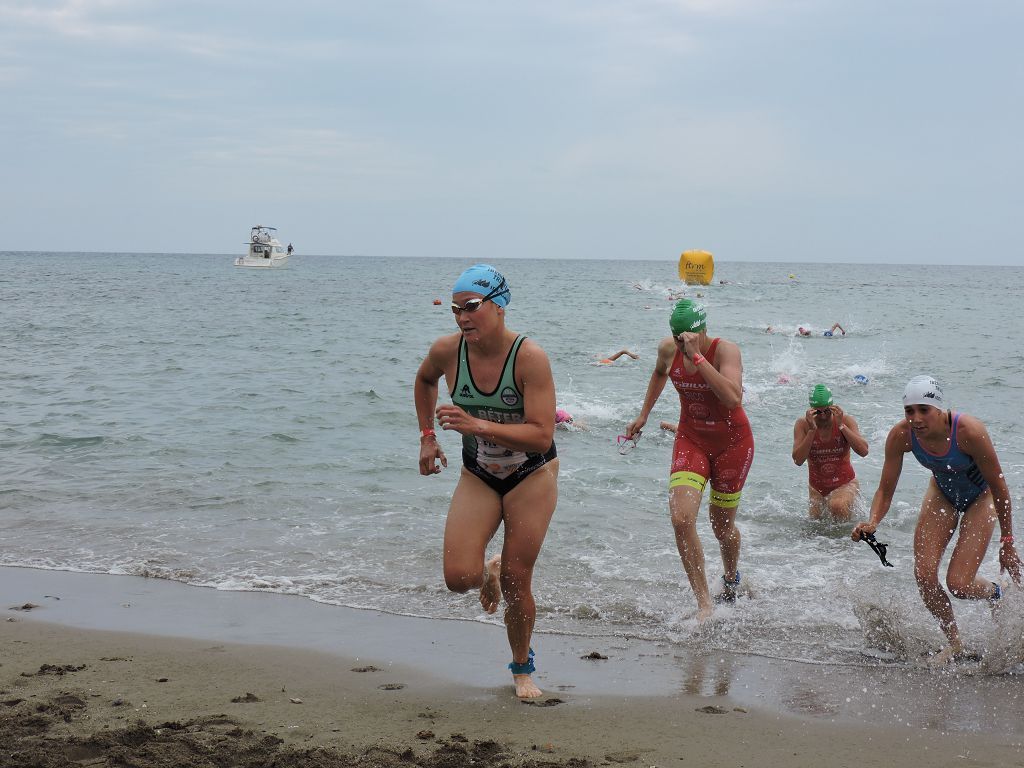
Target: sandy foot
<point x="490" y="592"/>
<point x="525" y="687"/>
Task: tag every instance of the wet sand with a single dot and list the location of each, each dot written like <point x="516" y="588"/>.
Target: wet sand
<point x="112" y="670"/>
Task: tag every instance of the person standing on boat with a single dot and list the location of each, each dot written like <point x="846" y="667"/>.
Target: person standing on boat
<point x="967" y="490"/>
<point x="503" y="405"/>
<point x="713" y="442"/>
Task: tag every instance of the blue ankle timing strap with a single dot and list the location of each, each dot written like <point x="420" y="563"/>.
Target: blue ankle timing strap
<point x="523" y="669"/>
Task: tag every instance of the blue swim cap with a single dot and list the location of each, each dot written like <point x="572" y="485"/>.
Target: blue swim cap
<point x="860" y="378"/>
<point x="485" y="280"/>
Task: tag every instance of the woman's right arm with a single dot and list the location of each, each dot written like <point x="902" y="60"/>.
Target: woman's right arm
<point x="666" y="352"/>
<point x="897" y="444"/>
<point x="425" y="397"/>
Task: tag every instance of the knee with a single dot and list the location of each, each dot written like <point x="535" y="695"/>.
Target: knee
<point x="458" y="580"/>
<point x="959" y="587"/>
<point x="515" y="580"/>
<point x="724" y="529"/>
<point x="839" y="509"/>
<point x="683" y="520"/>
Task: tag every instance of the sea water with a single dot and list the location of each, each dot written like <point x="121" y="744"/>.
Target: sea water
<point x="175" y="417"/>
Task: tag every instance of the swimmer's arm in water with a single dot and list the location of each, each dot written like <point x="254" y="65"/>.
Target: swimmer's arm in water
<point x="725" y="377"/>
<point x="536" y="433"/>
<point x="973" y="439"/>
<point x="848" y="426"/>
<point x="803" y="437"/>
<point x="435" y="365"/>
<point x="897" y="445"/>
<point x="666" y="352"/>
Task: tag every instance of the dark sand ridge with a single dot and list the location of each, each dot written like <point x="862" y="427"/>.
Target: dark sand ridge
<point x="643" y="705"/>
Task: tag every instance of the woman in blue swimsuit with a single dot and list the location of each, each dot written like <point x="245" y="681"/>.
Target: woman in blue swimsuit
<point x="967" y="489"/>
<point x="503" y="405"/>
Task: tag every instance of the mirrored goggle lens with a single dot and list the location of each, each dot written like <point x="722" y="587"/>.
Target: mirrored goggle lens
<point x="470" y="306"/>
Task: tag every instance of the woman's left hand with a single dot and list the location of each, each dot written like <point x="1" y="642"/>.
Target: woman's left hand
<point x="451" y="417"/>
<point x="1009" y="561"/>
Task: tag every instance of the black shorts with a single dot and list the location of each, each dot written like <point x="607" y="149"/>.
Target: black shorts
<point x="502" y="485"/>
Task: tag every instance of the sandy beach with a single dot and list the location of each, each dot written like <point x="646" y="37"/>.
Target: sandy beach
<point x="109" y="670"/>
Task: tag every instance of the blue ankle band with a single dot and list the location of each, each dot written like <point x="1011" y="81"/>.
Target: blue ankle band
<point x="524" y="669"/>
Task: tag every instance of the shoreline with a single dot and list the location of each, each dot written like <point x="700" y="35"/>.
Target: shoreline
<point x="646" y="700"/>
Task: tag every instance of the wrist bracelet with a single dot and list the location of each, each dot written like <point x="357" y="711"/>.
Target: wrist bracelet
<point x="1006" y="539"/>
<point x="698" y="359"/>
<point x="427" y="433"/>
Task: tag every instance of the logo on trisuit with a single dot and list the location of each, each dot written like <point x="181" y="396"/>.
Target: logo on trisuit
<point x="465" y="392"/>
<point x="509" y="396"/>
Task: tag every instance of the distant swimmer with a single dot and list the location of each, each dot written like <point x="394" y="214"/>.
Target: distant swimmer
<point x="619" y="354"/>
<point x="803" y="331"/>
<point x="823" y="438"/>
<point x="967" y="489"/>
<point x="503" y="405"/>
<point x="565" y="420"/>
<point x="831" y="331"/>
<point x="713" y="442"/>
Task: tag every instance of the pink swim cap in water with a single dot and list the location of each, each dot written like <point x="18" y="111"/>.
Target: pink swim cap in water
<point x="562" y="416"/>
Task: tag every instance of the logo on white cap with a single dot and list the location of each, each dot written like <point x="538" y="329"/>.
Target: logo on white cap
<point x="923" y="390"/>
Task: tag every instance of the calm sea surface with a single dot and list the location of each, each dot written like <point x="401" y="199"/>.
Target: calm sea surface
<point x="175" y="417"/>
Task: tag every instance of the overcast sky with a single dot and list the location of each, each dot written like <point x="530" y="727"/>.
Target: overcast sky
<point x="796" y="130"/>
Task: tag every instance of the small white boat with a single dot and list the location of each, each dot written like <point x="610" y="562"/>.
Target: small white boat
<point x="264" y="249"/>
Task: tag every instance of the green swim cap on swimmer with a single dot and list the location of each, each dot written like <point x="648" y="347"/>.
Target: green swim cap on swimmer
<point x="688" y="316"/>
<point x="821" y="396"/>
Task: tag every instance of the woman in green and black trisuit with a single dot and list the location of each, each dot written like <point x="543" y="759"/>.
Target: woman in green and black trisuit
<point x="503" y="399"/>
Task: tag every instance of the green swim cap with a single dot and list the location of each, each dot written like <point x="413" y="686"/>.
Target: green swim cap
<point x="821" y="396"/>
<point x="688" y="316"/>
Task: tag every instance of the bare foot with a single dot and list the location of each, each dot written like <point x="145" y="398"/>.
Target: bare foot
<point x="490" y="591"/>
<point x="942" y="659"/>
<point x="704" y="612"/>
<point x="525" y="688"/>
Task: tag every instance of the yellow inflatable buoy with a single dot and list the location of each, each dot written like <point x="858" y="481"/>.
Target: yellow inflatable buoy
<point x="696" y="267"/>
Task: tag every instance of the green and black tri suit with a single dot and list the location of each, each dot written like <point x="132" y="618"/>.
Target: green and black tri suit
<point x="501" y="468"/>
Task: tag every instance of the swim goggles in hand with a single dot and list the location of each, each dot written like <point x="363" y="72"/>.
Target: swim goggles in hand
<point x="878" y="547"/>
<point x="627" y="444"/>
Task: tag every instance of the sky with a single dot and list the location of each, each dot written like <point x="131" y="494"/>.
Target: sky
<point x="835" y="131"/>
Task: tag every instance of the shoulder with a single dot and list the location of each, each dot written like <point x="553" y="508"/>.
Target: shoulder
<point x="445" y="347"/>
<point x="727" y="348"/>
<point x="667" y="345"/>
<point x="969" y="430"/>
<point x="899" y="437"/>
<point x="531" y="354"/>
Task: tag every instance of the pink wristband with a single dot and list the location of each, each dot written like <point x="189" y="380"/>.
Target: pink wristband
<point x="1006" y="539"/>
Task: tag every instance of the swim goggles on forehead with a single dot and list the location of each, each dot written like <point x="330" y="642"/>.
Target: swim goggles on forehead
<point x="472" y="305"/>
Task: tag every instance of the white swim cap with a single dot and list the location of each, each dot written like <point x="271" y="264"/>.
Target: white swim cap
<point x="923" y="390"/>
